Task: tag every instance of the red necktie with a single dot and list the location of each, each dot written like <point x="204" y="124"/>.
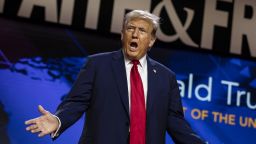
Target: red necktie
<point x="138" y="109"/>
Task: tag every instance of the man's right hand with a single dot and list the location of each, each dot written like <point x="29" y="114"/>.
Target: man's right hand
<point x="45" y="124"/>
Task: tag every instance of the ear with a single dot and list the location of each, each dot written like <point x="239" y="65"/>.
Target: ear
<point x="152" y="41"/>
<point x="122" y="35"/>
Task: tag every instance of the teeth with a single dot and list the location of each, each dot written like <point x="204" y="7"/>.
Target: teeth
<point x="133" y="47"/>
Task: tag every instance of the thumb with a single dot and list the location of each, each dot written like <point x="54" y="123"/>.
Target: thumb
<point x="42" y="110"/>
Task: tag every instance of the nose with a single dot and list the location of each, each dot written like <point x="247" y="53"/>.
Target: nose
<point x="135" y="33"/>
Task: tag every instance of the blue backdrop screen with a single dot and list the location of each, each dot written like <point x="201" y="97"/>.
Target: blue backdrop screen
<point x="218" y="95"/>
<point x="38" y="65"/>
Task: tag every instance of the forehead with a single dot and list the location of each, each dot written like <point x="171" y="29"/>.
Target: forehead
<point x="140" y="23"/>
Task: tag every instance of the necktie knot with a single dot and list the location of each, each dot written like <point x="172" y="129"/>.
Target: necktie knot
<point x="135" y="62"/>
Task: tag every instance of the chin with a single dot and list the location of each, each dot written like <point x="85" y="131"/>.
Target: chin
<point x="132" y="55"/>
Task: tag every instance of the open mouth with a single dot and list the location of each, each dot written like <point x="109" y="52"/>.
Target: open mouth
<point x="133" y="45"/>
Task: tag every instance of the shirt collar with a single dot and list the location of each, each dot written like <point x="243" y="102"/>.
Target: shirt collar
<point x="143" y="61"/>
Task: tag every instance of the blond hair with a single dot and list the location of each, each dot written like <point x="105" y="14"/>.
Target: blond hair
<point x="140" y="14"/>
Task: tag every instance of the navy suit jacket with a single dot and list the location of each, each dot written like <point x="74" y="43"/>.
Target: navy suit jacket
<point x="101" y="92"/>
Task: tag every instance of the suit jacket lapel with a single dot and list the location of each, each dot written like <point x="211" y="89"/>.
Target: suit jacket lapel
<point x="118" y="67"/>
<point x="152" y="72"/>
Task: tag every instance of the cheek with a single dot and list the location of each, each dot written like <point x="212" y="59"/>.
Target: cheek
<point x="124" y="40"/>
<point x="146" y="43"/>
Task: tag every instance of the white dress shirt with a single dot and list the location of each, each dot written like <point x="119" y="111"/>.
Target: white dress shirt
<point x="143" y="71"/>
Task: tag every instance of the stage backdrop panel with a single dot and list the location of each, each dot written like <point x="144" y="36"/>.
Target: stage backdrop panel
<point x="39" y="65"/>
<point x="209" y="44"/>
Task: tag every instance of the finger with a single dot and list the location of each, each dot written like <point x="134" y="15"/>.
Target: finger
<point x="31" y="127"/>
<point x="42" y="110"/>
<point x="35" y="130"/>
<point x="31" y="121"/>
<point x="41" y="134"/>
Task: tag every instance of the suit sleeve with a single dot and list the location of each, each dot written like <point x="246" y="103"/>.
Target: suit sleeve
<point x="78" y="100"/>
<point x="177" y="126"/>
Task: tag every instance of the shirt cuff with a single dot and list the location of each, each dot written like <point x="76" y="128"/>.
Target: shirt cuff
<point x="56" y="133"/>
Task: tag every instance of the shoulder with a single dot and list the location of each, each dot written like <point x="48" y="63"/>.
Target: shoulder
<point x="99" y="59"/>
<point x="104" y="55"/>
<point x="165" y="73"/>
<point x="161" y="67"/>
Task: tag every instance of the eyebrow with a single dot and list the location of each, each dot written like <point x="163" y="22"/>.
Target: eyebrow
<point x="131" y="25"/>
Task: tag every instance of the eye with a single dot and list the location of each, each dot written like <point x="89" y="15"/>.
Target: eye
<point x="142" y="30"/>
<point x="130" y="28"/>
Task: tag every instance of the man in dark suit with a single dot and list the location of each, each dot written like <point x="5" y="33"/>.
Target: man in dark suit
<point x="127" y="96"/>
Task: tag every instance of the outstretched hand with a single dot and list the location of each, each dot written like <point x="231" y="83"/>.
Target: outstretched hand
<point x="45" y="124"/>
